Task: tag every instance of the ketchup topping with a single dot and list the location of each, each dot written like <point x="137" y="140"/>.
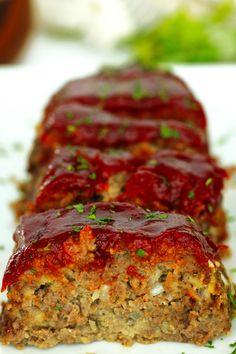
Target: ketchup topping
<point x="134" y="92"/>
<point x="80" y="173"/>
<point x="76" y="124"/>
<point x="115" y="227"/>
<point x="176" y="181"/>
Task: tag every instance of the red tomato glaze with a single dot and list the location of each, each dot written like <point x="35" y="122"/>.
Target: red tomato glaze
<point x="115" y="227"/>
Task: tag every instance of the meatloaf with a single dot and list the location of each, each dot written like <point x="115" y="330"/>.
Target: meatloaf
<point x="169" y="180"/>
<point x="76" y="124"/>
<point x="115" y="272"/>
<point x="136" y="93"/>
<point x="76" y="174"/>
<point x="188" y="184"/>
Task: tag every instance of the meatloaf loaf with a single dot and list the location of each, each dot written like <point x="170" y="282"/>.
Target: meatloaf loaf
<point x="77" y="124"/>
<point x="136" y="93"/>
<point x="115" y="272"/>
<point x="185" y="183"/>
<point x="169" y="180"/>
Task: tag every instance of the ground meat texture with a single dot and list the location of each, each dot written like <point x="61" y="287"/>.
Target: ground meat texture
<point x="76" y="124"/>
<point x="81" y="276"/>
<point x="136" y="93"/>
<point x="184" y="183"/>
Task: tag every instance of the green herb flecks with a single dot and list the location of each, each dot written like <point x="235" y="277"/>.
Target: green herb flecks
<point x="2" y="248"/>
<point x="163" y="94"/>
<point x="139" y="92"/>
<point x="83" y="164"/>
<point x="58" y="307"/>
<point x="71" y="128"/>
<point x="210" y="208"/>
<point x="104" y="91"/>
<point x="234" y="351"/>
<point x="167" y="132"/>
<point x="209" y="345"/>
<point x="17" y="146"/>
<point x="156" y="216"/>
<point x="232" y="299"/>
<point x="70" y="168"/>
<point x="69" y="115"/>
<point x="76" y="228"/>
<point x="191" y="194"/>
<point x="79" y="208"/>
<point x="233" y="344"/>
<point x="105" y="220"/>
<point x="140" y="252"/>
<point x="209" y="181"/>
<point x="92" y="213"/>
<point x="152" y="163"/>
<point x="190" y="219"/>
<point x="233" y="270"/>
<point x="93" y="176"/>
<point x="33" y="270"/>
<point x="103" y="132"/>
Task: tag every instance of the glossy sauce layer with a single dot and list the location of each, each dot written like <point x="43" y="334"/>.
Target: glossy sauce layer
<point x="80" y="125"/>
<point x="80" y="174"/>
<point x="136" y="93"/>
<point x="115" y="227"/>
<point x="176" y="181"/>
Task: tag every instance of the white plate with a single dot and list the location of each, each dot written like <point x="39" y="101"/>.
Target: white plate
<point x="24" y="92"/>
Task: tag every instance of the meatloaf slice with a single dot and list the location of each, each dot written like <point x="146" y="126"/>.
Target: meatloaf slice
<point x="76" y="124"/>
<point x="136" y="93"/>
<point x="188" y="184"/>
<point x="74" y="175"/>
<point x="113" y="272"/>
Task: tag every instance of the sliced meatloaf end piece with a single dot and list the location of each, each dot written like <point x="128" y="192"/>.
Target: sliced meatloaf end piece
<point x="115" y="272"/>
<point x="136" y="93"/>
<point x="191" y="184"/>
<point x="75" y="124"/>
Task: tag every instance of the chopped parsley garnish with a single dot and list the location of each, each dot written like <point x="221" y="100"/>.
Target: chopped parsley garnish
<point x="163" y="94"/>
<point x="69" y="115"/>
<point x="83" y="163"/>
<point x="233" y="344"/>
<point x="154" y="216"/>
<point x="58" y="307"/>
<point x="105" y="220"/>
<point x="233" y="352"/>
<point x="93" y="176"/>
<point x="191" y="194"/>
<point x="87" y="120"/>
<point x="92" y="213"/>
<point x="52" y="178"/>
<point x="2" y="247"/>
<point x="209" y="181"/>
<point x="138" y="92"/>
<point x="47" y="248"/>
<point x="167" y="132"/>
<point x="189" y="103"/>
<point x="190" y="219"/>
<point x="78" y="207"/>
<point x="232" y="300"/>
<point x="103" y="132"/>
<point x="140" y="252"/>
<point x="33" y="270"/>
<point x="210" y="208"/>
<point x="76" y="228"/>
<point x="209" y="345"/>
<point x="123" y="127"/>
<point x="71" y="128"/>
<point x="152" y="162"/>
<point x="70" y="168"/>
<point x="233" y="270"/>
<point x="104" y="90"/>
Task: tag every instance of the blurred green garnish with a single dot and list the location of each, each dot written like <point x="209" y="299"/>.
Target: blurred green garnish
<point x="185" y="37"/>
